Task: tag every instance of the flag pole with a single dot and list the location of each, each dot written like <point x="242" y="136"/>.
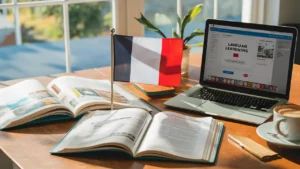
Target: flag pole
<point x="112" y="47"/>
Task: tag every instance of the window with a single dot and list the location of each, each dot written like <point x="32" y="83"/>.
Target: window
<point x="163" y="14"/>
<point x="52" y="36"/>
<point x="42" y="37"/>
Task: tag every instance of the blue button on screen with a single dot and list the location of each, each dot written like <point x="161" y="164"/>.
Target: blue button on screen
<point x="228" y="72"/>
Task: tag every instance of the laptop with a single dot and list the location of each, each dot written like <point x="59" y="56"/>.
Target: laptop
<point x="246" y="71"/>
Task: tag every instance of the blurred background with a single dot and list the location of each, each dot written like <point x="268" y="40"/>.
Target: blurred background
<point x="33" y="42"/>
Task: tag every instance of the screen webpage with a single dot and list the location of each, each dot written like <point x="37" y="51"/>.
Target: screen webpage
<point x="248" y="58"/>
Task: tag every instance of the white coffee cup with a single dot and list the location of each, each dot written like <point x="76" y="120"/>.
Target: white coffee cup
<point x="286" y="121"/>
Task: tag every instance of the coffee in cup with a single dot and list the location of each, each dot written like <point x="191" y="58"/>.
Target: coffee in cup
<point x="291" y="113"/>
<point x="287" y="121"/>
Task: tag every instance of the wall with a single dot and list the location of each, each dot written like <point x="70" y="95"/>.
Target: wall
<point x="278" y="12"/>
<point x="289" y="11"/>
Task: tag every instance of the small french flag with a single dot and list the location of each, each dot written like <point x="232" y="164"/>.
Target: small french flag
<point x="148" y="60"/>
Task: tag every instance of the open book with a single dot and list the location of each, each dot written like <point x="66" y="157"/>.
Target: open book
<point x="64" y="97"/>
<point x="167" y="135"/>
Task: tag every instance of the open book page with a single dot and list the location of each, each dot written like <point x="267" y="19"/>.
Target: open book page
<point x="178" y="136"/>
<point x="25" y="101"/>
<point x="121" y="129"/>
<point x="79" y="93"/>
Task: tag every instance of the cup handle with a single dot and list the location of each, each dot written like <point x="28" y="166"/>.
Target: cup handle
<point x="277" y="127"/>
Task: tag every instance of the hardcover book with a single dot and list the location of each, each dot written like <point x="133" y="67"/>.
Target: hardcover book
<point x="154" y="90"/>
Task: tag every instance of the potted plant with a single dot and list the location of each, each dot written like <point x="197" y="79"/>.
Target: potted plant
<point x="193" y="12"/>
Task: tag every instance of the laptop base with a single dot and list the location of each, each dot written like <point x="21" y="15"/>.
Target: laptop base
<point x="183" y="101"/>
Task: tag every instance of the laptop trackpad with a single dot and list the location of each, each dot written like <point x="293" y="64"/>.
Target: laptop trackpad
<point x="214" y="108"/>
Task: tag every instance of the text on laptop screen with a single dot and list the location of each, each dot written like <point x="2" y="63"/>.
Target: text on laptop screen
<point x="248" y="58"/>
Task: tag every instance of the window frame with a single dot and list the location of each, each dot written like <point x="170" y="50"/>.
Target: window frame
<point x="15" y="5"/>
<point x="253" y="11"/>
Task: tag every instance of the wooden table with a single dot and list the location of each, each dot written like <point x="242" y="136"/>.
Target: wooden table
<point x="29" y="147"/>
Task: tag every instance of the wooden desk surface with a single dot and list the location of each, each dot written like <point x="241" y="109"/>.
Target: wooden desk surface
<point x="29" y="147"/>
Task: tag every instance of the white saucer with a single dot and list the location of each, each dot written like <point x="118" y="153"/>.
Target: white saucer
<point x="265" y="131"/>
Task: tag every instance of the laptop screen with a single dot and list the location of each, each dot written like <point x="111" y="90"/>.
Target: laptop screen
<point x="248" y="58"/>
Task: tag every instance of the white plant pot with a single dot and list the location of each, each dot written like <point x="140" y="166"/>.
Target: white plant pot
<point x="185" y="62"/>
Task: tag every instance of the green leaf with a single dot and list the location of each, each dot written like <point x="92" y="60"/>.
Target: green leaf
<point x="193" y="12"/>
<point x="174" y="33"/>
<point x="197" y="32"/>
<point x="179" y="22"/>
<point x="149" y="25"/>
<point x="200" y="44"/>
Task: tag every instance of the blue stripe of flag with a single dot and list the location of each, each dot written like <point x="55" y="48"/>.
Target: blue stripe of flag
<point x="123" y="49"/>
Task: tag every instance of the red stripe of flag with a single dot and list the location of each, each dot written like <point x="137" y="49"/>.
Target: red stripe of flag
<point x="170" y="62"/>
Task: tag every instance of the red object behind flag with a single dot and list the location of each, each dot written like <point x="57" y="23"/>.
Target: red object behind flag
<point x="170" y="63"/>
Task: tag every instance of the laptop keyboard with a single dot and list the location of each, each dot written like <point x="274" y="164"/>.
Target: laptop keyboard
<point x="234" y="99"/>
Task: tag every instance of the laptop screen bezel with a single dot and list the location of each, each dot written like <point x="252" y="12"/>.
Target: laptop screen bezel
<point x="250" y="26"/>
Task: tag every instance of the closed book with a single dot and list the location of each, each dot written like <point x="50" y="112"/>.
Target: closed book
<point x="154" y="90"/>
